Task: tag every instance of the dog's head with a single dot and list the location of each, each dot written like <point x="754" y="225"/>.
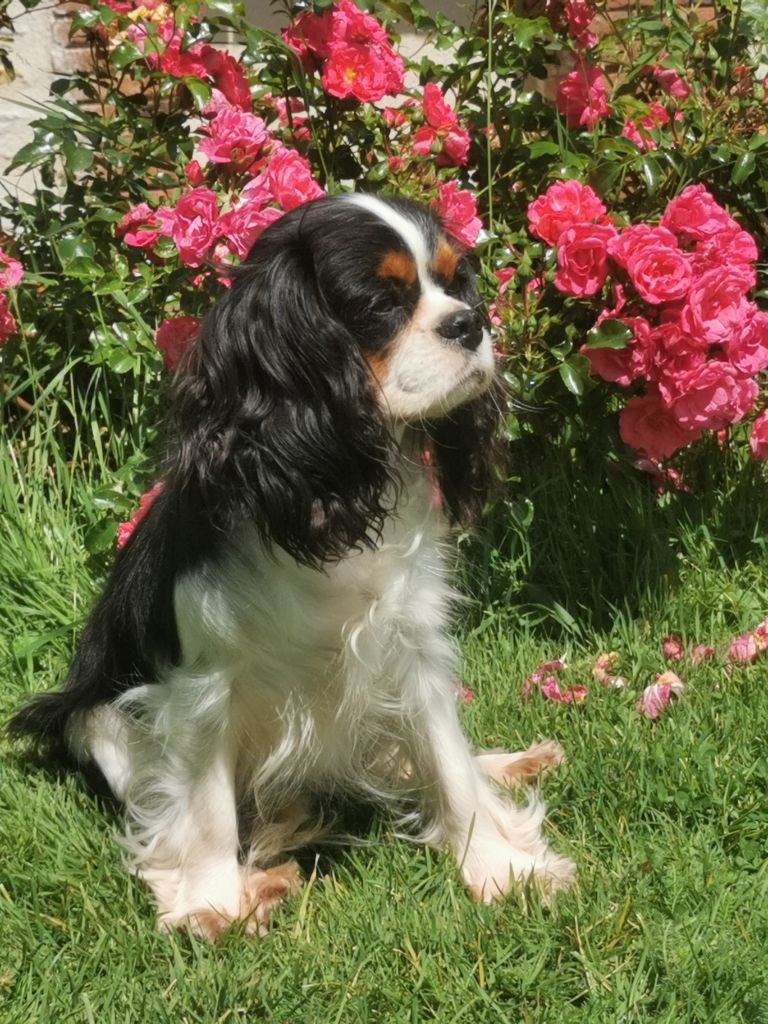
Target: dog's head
<point x="352" y="318"/>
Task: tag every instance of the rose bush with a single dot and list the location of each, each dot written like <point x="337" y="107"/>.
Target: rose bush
<point x="610" y="179"/>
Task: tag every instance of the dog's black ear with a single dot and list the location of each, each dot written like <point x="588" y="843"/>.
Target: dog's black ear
<point x="465" y="449"/>
<point x="274" y="417"/>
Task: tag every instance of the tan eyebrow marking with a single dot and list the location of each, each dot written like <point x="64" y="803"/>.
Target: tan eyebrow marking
<point x="446" y="260"/>
<point x="399" y="264"/>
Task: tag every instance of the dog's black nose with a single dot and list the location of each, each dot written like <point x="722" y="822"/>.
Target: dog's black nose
<point x="463" y="326"/>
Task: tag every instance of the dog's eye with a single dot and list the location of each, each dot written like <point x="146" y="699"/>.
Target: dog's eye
<point x="380" y="305"/>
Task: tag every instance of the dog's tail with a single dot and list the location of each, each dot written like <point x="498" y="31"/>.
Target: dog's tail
<point x="130" y="632"/>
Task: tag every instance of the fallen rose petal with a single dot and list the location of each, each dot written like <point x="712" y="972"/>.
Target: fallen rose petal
<point x="701" y="652"/>
<point x="550" y="690"/>
<point x="672" y="646"/>
<point x="655" y="697"/>
<point x="744" y="648"/>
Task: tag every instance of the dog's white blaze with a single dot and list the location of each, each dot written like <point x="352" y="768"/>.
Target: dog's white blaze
<point x="413" y="239"/>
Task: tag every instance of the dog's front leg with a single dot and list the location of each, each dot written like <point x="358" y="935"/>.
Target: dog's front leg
<point x="495" y="842"/>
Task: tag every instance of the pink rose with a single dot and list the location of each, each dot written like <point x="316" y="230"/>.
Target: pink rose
<point x="647" y="424"/>
<point x="287" y="180"/>
<point x="669" y="80"/>
<point x="235" y="138"/>
<point x="711" y="397"/>
<point x="637" y="237"/>
<point x="758" y="439"/>
<point x="8" y="325"/>
<point x="124" y="530"/>
<point x="441" y="130"/>
<point x="579" y="15"/>
<point x="581" y="97"/>
<point x="139" y="227"/>
<point x="660" y="274"/>
<point x="730" y="247"/>
<point x="747" y="351"/>
<point x="674" y="354"/>
<point x="351" y="49"/>
<point x="11" y="271"/>
<point x="623" y="365"/>
<point x="174" y="337"/>
<point x="582" y="258"/>
<point x="563" y="205"/>
<point x="717" y="307"/>
<point x="458" y="212"/>
<point x="193" y="224"/>
<point x="694" y="215"/>
<point x="243" y="224"/>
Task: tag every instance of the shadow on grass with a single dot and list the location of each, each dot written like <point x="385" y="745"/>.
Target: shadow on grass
<point x="581" y="534"/>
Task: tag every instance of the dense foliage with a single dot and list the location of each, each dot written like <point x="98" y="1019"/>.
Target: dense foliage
<point x="610" y="170"/>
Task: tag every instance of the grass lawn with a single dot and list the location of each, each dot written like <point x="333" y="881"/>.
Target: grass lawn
<point x="668" y="823"/>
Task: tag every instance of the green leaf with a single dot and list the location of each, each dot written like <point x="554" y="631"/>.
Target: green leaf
<point x="743" y="168"/>
<point x="575" y="373"/>
<point x="651" y="172"/>
<point x="74" y="247"/>
<point x="84" y="267"/>
<point x="124" y="54"/>
<point x="610" y="333"/>
<point x="223" y="8"/>
<point x="199" y="90"/>
<point x="543" y="147"/>
<point x="76" y="157"/>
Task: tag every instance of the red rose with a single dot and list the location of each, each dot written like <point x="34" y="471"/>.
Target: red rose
<point x="173" y="338"/>
<point x="228" y="77"/>
<point x="563" y="204"/>
<point x="582" y="258"/>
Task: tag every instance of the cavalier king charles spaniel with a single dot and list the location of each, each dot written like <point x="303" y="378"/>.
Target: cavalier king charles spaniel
<point x="274" y="634"/>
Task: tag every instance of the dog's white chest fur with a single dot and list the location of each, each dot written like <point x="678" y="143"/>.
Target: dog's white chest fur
<point x="315" y="663"/>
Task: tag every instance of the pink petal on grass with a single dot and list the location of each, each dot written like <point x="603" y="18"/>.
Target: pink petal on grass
<point x="672" y="646"/>
<point x="603" y="670"/>
<point x="701" y="652"/>
<point x="655" y="697"/>
<point x="550" y="689"/>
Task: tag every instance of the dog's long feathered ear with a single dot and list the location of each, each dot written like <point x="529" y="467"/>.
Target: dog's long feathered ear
<point x="274" y="417"/>
<point x="465" y="449"/>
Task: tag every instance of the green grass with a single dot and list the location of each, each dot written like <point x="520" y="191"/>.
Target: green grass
<point x="668" y="822"/>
